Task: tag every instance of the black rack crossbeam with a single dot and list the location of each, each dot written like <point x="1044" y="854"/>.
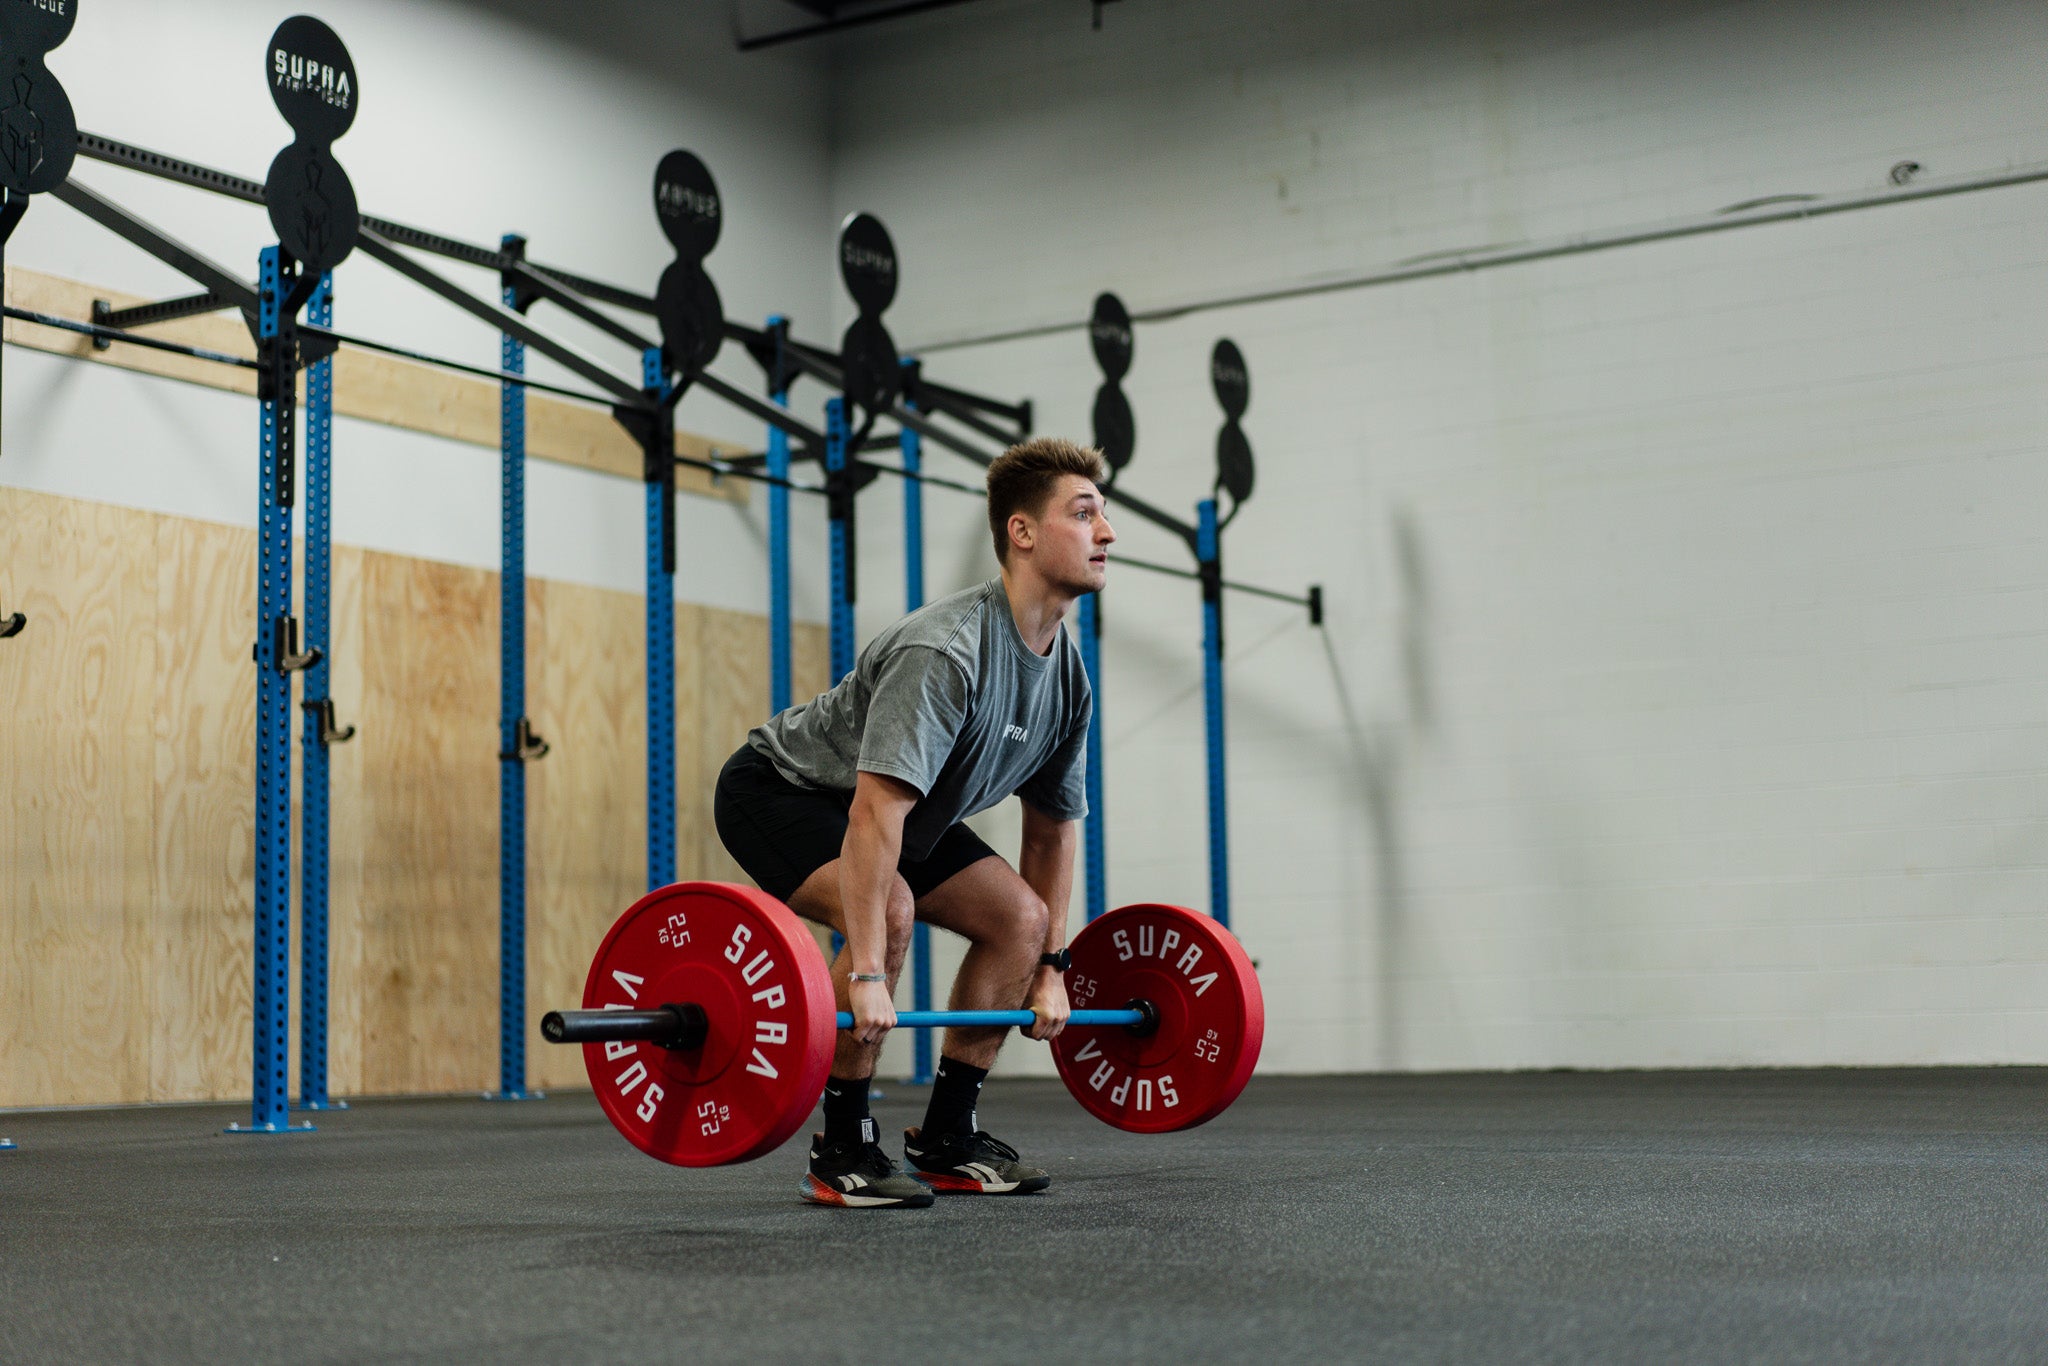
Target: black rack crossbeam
<point x="1312" y="600"/>
<point x="312" y="333"/>
<point x="735" y="469"/>
<point x="163" y="311"/>
<point x="819" y="365"/>
<point x="173" y="253"/>
<point x="1156" y="516"/>
<point x="570" y="299"/>
<point x="935" y="480"/>
<point x="932" y="401"/>
<point x="758" y="339"/>
<point x="614" y="295"/>
<point x="168" y="168"/>
<point x="923" y="426"/>
<point x="238" y="187"/>
<point x="945" y="395"/>
<point x="823" y="366"/>
<point x="505" y="320"/>
<point x="762" y="409"/>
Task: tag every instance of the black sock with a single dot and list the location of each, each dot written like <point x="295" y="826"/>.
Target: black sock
<point x="954" y="1091"/>
<point x="846" y="1111"/>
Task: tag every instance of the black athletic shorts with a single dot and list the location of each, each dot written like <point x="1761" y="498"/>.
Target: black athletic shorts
<point x="782" y="833"/>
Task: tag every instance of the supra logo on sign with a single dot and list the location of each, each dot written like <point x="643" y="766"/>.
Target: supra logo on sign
<point x="680" y="199"/>
<point x="1110" y="333"/>
<point x="305" y="76"/>
<point x="866" y="258"/>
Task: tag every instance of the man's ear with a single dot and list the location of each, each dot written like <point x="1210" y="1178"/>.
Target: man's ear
<point x="1021" y="533"/>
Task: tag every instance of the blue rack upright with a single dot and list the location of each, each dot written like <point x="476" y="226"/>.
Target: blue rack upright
<point x="317" y="723"/>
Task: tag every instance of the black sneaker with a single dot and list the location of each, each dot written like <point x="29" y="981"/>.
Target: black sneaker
<point x="971" y="1164"/>
<point x="858" y="1174"/>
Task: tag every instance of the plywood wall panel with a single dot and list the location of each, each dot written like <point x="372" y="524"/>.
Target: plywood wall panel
<point x="810" y="665"/>
<point x="204" y="775"/>
<point x="695" y="756"/>
<point x="586" y="801"/>
<point x="732" y="700"/>
<point x="126" y="804"/>
<point x="430" y="806"/>
<point x="75" y="800"/>
<point x="345" y="831"/>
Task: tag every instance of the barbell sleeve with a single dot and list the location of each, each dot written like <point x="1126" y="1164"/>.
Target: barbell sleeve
<point x="674" y="1026"/>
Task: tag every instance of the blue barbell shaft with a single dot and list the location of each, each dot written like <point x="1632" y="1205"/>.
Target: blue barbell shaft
<point x="683" y="1026"/>
<point x="978" y="1019"/>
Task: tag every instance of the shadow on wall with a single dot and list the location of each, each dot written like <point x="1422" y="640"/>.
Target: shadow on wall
<point x="1371" y="769"/>
<point x="1379" y="754"/>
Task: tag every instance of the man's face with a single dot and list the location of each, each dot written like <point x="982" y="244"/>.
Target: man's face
<point x="1071" y="537"/>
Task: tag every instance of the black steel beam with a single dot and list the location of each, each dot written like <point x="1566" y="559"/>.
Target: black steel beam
<point x="238" y="187"/>
<point x="1018" y="413"/>
<point x="380" y="248"/>
<point x="761" y="408"/>
<point x="938" y="402"/>
<point x="923" y="426"/>
<point x="169" y="250"/>
<point x="834" y="25"/>
<point x="566" y="297"/>
<point x="162" y="311"/>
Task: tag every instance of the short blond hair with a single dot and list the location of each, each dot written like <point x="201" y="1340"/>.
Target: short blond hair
<point x="1023" y="477"/>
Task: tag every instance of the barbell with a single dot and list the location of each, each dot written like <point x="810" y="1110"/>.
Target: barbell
<point x="708" y="1022"/>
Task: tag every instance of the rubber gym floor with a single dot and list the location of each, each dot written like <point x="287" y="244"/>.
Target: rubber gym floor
<point x="1744" y="1216"/>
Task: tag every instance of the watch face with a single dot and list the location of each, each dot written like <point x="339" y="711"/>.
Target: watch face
<point x="1060" y="961"/>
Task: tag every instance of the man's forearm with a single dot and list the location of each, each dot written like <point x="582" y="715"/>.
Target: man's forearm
<point x="1046" y="863"/>
<point x="867" y="860"/>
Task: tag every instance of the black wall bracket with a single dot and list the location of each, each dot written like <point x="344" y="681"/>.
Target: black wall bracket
<point x="527" y="745"/>
<point x="321" y="712"/>
<point x="284" y="648"/>
<point x="162" y="311"/>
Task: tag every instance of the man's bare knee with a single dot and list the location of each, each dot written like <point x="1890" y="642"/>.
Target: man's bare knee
<point x="1022" y="923"/>
<point x="898" y="919"/>
<point x="1035" y="918"/>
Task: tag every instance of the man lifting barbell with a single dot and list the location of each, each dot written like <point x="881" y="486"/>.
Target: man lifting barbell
<point x="849" y="808"/>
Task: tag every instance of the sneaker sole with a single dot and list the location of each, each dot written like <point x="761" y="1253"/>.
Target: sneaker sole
<point x="944" y="1183"/>
<point x="818" y="1193"/>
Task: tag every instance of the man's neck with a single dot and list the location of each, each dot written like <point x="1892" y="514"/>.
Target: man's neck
<point x="1038" y="608"/>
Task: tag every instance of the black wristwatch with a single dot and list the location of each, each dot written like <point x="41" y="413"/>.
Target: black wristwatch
<point x="1058" y="962"/>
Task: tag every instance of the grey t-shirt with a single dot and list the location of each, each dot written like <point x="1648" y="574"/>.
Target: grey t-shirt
<point x="951" y="701"/>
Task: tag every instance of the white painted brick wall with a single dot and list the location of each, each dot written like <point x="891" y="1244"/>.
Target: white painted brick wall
<point x="1681" y="701"/>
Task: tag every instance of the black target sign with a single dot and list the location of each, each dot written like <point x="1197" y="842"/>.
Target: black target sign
<point x="314" y="85"/>
<point x="38" y="132"/>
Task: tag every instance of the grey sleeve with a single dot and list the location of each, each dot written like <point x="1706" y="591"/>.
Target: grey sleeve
<point x="914" y="715"/>
<point x="1060" y="787"/>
